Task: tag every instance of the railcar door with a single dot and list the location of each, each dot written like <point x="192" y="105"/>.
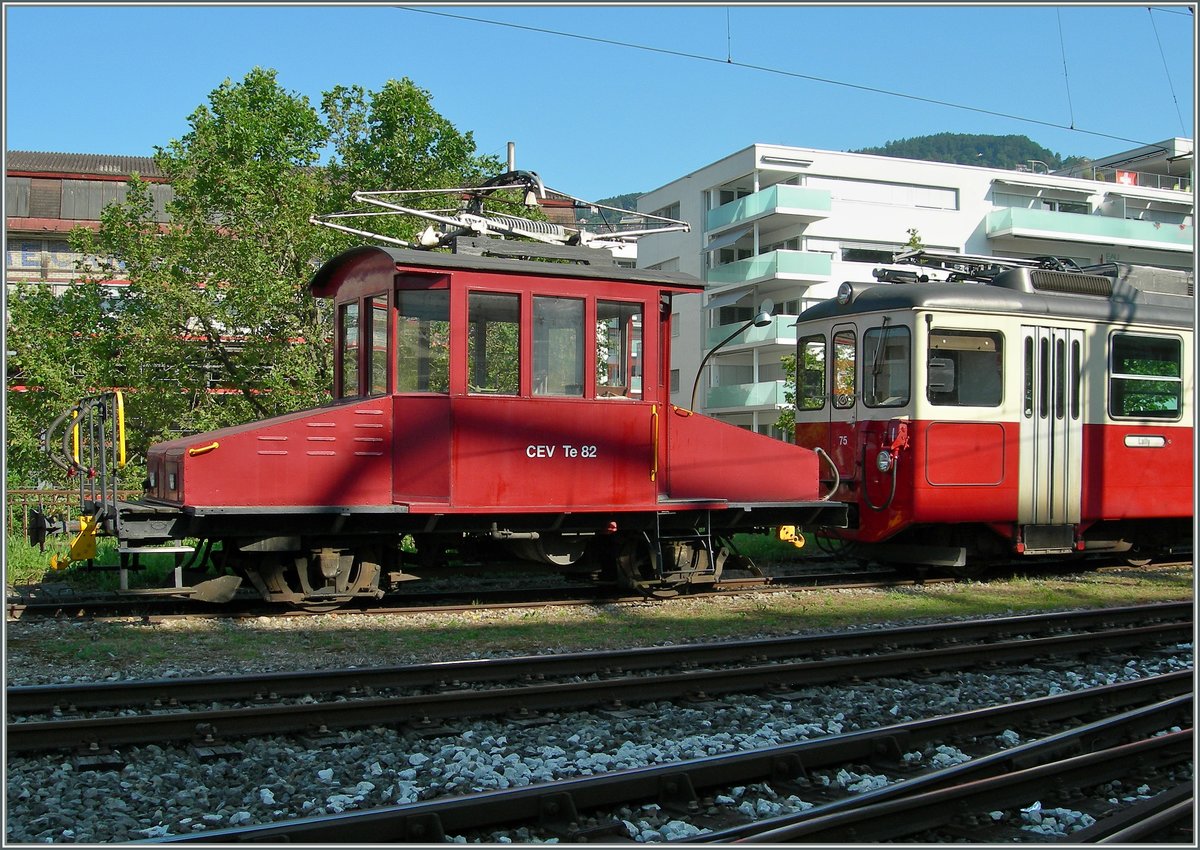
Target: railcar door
<point x="843" y="398"/>
<point x="1051" y="438"/>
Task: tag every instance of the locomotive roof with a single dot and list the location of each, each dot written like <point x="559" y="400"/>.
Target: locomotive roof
<point x="369" y="258"/>
<point x="1006" y="295"/>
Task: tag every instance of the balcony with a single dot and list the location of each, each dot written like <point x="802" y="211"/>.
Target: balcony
<point x="803" y="266"/>
<point x="1075" y="227"/>
<point x="767" y="394"/>
<point x="781" y="331"/>
<point x="795" y="201"/>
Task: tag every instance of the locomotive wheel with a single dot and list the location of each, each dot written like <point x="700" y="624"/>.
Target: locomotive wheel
<point x="636" y="563"/>
<point x="638" y="569"/>
<point x="357" y="574"/>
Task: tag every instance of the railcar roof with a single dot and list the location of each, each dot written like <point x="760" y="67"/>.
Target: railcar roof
<point x="370" y="258"/>
<point x="984" y="299"/>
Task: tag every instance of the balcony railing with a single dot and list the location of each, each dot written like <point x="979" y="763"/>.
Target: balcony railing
<point x="782" y="265"/>
<point x="1119" y="176"/>
<point x="782" y="330"/>
<point x="1076" y="227"/>
<point x="805" y="204"/>
<point x="761" y="394"/>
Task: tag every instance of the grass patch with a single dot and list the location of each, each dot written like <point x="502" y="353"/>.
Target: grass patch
<point x="26" y="564"/>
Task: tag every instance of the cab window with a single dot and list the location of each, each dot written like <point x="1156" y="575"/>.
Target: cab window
<point x="348" y="323"/>
<point x="618" y="350"/>
<point x="557" y="346"/>
<point x="965" y="368"/>
<point x="493" y="343"/>
<point x="810" y="373"/>
<point x="422" y="341"/>
<point x="887" y="364"/>
<point x="844" y="354"/>
<point x="378" y="353"/>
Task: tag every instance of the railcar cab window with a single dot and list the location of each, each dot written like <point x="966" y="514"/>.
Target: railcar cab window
<point x="965" y="368"/>
<point x="493" y="343"/>
<point x="844" y="354"/>
<point x="618" y="349"/>
<point x="1145" y="377"/>
<point x="810" y="373"/>
<point x="558" y="346"/>
<point x="887" y="364"/>
<point x="423" y="341"/>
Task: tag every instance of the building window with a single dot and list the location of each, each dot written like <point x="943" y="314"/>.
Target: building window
<point x="669" y="211"/>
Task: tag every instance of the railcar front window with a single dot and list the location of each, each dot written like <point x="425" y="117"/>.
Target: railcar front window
<point x="377" y="368"/>
<point x="887" y="364"/>
<point x="493" y="343"/>
<point x="618" y="350"/>
<point x="965" y="368"/>
<point x="423" y="341"/>
<point x="810" y="373"/>
<point x="1145" y="377"/>
<point x="349" y="337"/>
<point x="557" y="346"/>
<point x="844" y="351"/>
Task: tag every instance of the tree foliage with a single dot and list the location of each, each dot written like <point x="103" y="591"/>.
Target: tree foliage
<point x="216" y="325"/>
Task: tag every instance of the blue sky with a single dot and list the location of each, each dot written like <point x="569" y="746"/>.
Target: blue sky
<point x="597" y="119"/>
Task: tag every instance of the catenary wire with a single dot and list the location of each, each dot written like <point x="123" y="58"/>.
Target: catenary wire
<point x="769" y="70"/>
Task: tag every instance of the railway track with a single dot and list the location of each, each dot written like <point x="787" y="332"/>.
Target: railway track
<point x="719" y="792"/>
<point x="35" y="603"/>
<point x="1099" y="722"/>
<point x="44" y="602"/>
<point x="157" y="711"/>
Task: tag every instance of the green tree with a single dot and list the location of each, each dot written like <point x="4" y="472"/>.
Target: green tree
<point x="217" y="297"/>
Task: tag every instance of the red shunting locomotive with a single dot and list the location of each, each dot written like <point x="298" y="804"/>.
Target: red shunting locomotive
<point x="482" y="404"/>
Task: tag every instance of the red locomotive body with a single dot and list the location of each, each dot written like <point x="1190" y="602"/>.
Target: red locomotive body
<point x="482" y="403"/>
<point x="1042" y="411"/>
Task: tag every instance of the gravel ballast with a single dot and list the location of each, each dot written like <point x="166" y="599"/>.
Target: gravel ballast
<point x="165" y="790"/>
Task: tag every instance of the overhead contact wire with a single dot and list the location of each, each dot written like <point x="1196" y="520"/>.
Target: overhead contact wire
<point x="765" y="69"/>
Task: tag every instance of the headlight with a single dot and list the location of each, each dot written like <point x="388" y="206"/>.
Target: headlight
<point x="883" y="461"/>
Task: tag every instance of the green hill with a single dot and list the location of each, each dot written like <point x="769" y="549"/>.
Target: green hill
<point x="969" y="149"/>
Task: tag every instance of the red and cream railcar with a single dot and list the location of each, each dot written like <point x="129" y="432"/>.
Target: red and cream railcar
<point x="1044" y="411"/>
<point x="482" y="402"/>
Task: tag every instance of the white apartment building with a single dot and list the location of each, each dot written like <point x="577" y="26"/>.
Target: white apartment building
<point x="782" y="227"/>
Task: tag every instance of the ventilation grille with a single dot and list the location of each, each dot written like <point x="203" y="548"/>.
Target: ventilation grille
<point x="1071" y="282"/>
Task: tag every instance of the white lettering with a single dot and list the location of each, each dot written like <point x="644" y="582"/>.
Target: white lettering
<point x="568" y="451"/>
